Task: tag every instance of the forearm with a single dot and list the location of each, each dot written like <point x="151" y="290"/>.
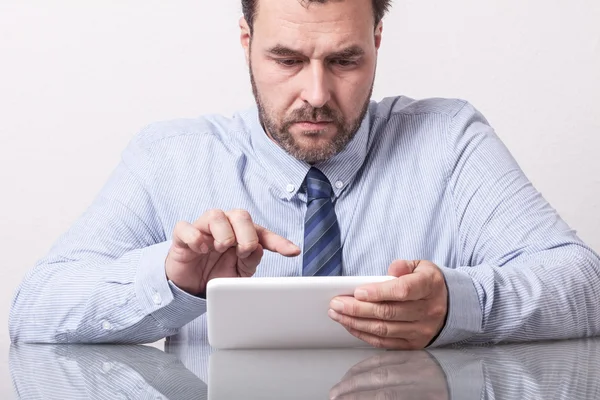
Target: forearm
<point x="548" y="295"/>
<point x="530" y="276"/>
<point x="128" y="300"/>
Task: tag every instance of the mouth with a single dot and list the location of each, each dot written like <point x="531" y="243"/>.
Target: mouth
<point x="310" y="125"/>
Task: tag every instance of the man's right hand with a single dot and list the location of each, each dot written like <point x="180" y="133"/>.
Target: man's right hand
<point x="218" y="245"/>
<point x="403" y="374"/>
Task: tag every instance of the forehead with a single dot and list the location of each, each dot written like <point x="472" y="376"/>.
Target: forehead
<point x="301" y="23"/>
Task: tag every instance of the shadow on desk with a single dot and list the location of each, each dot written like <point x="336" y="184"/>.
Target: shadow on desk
<point x="557" y="370"/>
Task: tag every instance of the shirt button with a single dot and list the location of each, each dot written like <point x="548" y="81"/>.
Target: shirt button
<point x="106" y="367"/>
<point x="156" y="298"/>
<point x="290" y="188"/>
<point x="106" y="325"/>
<point x="339" y="184"/>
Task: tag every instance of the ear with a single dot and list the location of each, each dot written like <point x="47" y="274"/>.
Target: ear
<point x="378" y="33"/>
<point x="245" y="38"/>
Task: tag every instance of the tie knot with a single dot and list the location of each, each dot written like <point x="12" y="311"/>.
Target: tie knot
<point x="317" y="185"/>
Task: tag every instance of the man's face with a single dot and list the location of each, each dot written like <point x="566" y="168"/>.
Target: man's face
<point x="312" y="68"/>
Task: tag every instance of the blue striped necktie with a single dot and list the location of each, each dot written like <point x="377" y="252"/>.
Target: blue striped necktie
<point x="322" y="243"/>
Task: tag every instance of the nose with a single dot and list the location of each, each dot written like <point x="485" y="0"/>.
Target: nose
<point x="316" y="90"/>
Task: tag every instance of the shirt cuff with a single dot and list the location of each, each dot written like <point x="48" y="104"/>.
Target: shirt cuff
<point x="464" y="312"/>
<point x="170" y="306"/>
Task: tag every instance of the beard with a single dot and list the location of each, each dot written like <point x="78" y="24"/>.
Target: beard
<point x="279" y="130"/>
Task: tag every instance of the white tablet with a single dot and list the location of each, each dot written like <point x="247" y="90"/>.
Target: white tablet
<point x="279" y="312"/>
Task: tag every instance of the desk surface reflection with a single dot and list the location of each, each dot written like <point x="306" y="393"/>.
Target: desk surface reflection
<point x="557" y="370"/>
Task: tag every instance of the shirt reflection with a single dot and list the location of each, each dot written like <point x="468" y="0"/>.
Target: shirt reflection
<point x="558" y="370"/>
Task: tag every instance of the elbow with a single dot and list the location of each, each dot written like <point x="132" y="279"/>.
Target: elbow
<point x="24" y="325"/>
<point x="588" y="260"/>
<point x="14" y="320"/>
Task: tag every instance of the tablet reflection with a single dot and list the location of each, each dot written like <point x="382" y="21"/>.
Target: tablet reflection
<point x="277" y="374"/>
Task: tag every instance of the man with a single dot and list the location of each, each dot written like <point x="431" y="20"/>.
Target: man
<point x="319" y="180"/>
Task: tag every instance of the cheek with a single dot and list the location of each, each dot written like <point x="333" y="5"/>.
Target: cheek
<point x="276" y="93"/>
<point x="351" y="93"/>
<point x="268" y="73"/>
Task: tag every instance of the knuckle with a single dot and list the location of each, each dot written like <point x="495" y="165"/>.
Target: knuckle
<point x="355" y="309"/>
<point x="349" y="322"/>
<point x="380" y="329"/>
<point x="401" y="289"/>
<point x="248" y="247"/>
<point x="385" y="311"/>
<point x="216" y="215"/>
<point x="240" y="215"/>
<point x="436" y="312"/>
<point x="229" y="241"/>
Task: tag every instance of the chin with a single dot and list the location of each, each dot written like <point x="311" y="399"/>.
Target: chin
<point x="312" y="141"/>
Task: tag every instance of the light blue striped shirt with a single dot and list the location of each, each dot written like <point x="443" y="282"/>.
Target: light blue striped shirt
<point x="425" y="179"/>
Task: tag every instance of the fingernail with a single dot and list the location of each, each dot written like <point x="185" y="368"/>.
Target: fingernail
<point x="361" y="294"/>
<point x="337" y="305"/>
<point x="333" y="315"/>
<point x="204" y="248"/>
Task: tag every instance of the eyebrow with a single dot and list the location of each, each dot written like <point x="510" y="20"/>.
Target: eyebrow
<point x="348" y="52"/>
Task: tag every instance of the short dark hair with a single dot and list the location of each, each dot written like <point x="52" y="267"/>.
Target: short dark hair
<point x="380" y="7"/>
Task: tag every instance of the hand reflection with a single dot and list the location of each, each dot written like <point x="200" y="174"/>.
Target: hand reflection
<point x="393" y="375"/>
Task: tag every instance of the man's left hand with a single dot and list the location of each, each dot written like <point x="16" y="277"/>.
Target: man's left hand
<point x="403" y="313"/>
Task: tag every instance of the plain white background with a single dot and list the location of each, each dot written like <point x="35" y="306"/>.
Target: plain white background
<point x="78" y="79"/>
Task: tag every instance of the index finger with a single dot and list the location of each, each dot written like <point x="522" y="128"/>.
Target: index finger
<point x="278" y="244"/>
<point x="414" y="286"/>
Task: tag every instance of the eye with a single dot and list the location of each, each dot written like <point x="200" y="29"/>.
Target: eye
<point x="288" y="62"/>
<point x="344" y="63"/>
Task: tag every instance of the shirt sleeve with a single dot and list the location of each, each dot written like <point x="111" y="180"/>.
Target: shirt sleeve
<point x="104" y="279"/>
<point x="108" y="372"/>
<point x="523" y="274"/>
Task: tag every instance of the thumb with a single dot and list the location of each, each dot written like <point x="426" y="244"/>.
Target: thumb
<point x="402" y="267"/>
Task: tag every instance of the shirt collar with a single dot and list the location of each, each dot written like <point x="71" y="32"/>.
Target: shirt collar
<point x="288" y="172"/>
